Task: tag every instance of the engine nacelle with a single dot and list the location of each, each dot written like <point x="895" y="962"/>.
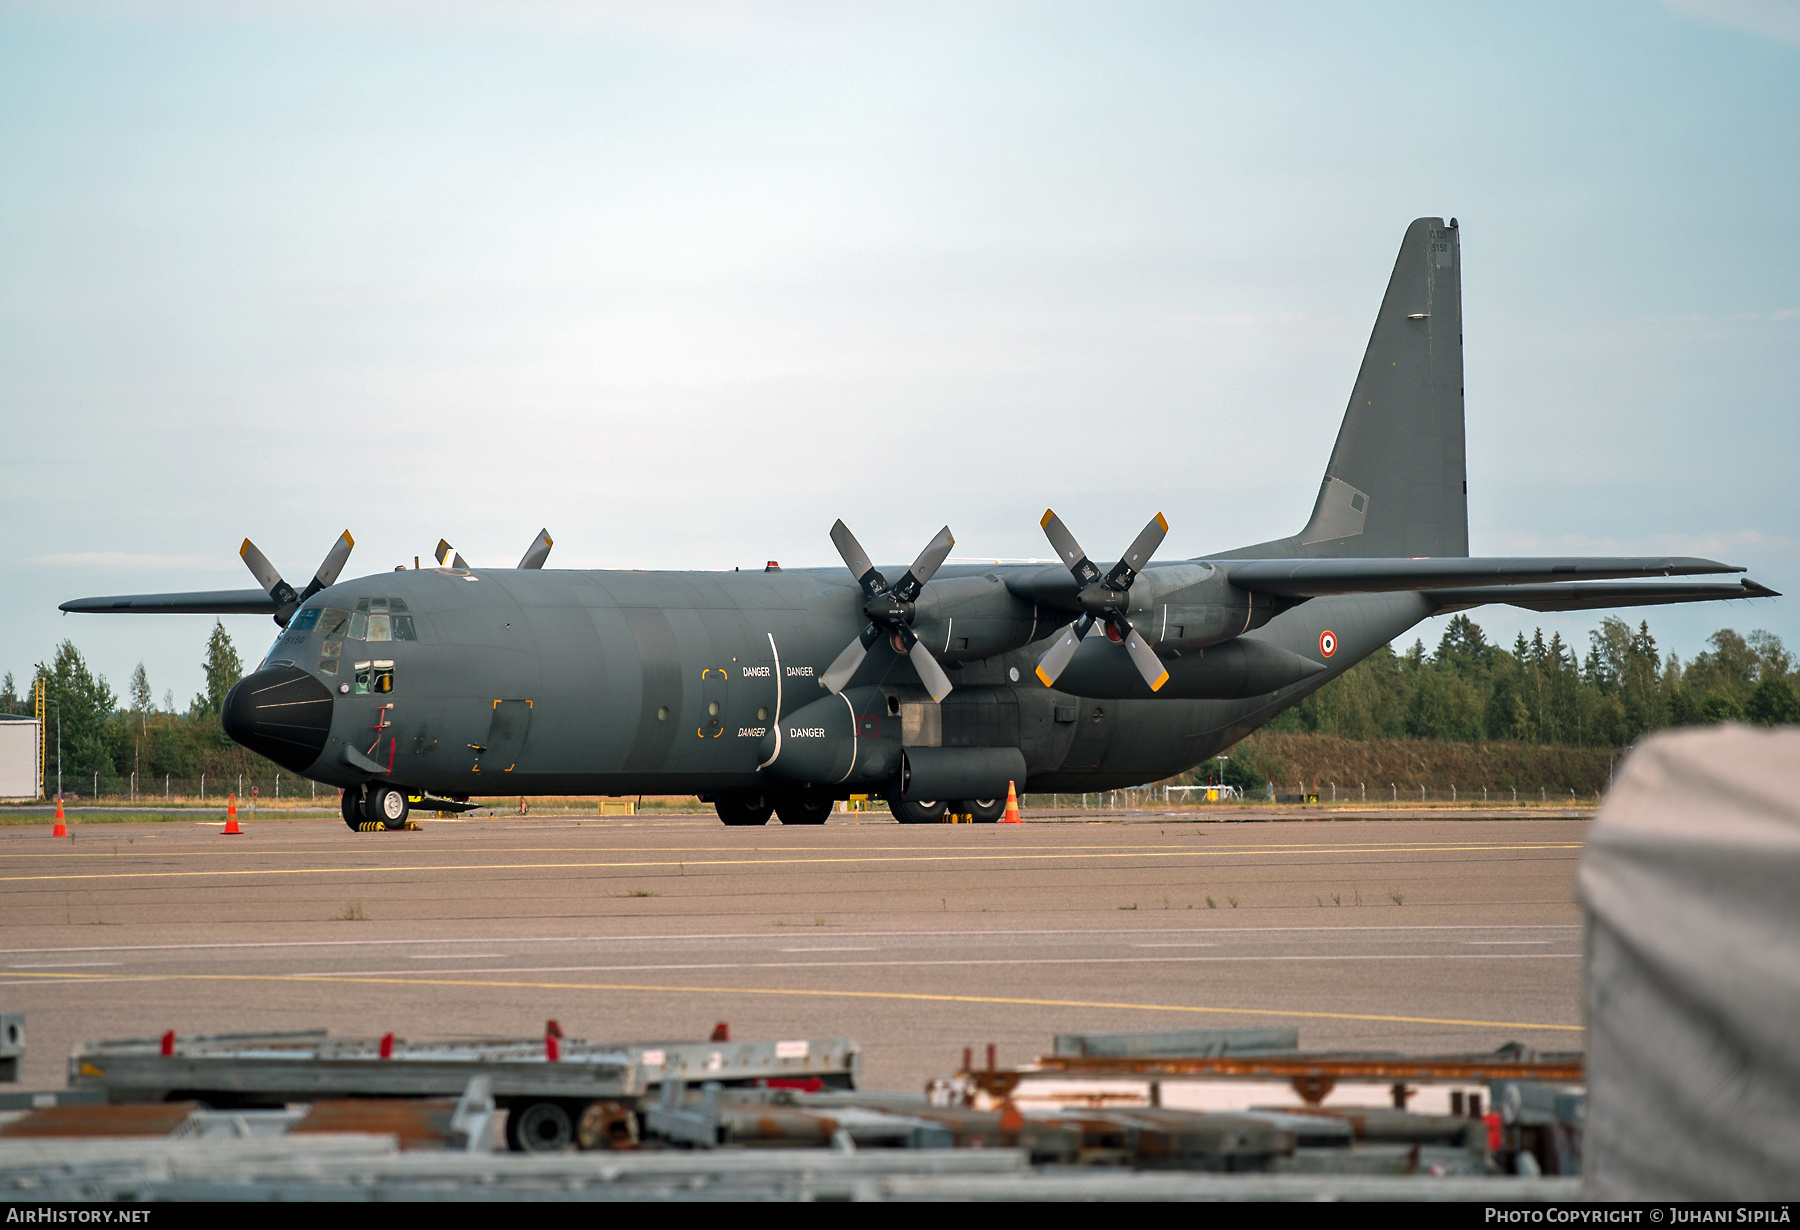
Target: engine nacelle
<point x="1204" y="612"/>
<point x="1227" y="671"/>
<point x="964" y="618"/>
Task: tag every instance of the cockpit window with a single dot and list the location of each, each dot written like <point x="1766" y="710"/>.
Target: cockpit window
<point x="305" y="620"/>
<point x="364" y="624"/>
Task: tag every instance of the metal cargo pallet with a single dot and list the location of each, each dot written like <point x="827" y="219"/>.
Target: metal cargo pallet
<point x="275" y="1068"/>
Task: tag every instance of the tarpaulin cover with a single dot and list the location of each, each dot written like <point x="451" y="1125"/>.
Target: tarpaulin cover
<point x="1691" y="885"/>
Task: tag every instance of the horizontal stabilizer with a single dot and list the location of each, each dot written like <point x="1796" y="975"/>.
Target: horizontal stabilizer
<point x="1596" y="595"/>
<point x="1313" y="578"/>
<point x="203" y="602"/>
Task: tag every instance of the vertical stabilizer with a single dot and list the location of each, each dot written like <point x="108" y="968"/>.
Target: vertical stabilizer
<point x="1396" y="485"/>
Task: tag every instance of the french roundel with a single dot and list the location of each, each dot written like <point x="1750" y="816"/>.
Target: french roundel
<point x="1327" y="643"/>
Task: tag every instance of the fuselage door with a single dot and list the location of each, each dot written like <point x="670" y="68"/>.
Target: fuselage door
<point x="715" y="691"/>
<point x="505" y="738"/>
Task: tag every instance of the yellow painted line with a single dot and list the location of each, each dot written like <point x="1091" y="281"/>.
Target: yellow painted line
<point x="734" y="862"/>
<point x="913" y="996"/>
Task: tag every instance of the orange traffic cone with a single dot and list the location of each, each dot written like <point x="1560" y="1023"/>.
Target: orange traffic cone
<point x="61" y="829"/>
<point x="231" y="824"/>
<point x="1012" y="806"/>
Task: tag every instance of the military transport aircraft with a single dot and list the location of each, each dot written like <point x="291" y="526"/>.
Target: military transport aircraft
<point x="424" y="687"/>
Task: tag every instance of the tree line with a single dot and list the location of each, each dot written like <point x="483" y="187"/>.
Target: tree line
<point x="110" y="738"/>
<point x="1543" y="691"/>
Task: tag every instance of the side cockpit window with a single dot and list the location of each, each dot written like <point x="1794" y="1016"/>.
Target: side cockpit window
<point x="374" y="677"/>
<point x="305" y="621"/>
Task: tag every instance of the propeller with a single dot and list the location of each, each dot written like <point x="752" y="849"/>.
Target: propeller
<point x="286" y="600"/>
<point x="1104" y="600"/>
<point x="890" y="611"/>
<point x="535" y="554"/>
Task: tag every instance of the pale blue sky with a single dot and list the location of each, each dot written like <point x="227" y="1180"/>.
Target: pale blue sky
<point x="686" y="282"/>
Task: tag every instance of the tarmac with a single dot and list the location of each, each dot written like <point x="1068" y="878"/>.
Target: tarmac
<point x="1446" y="931"/>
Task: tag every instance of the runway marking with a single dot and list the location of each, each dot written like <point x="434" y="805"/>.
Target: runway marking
<point x="1196" y="944"/>
<point x="831" y="950"/>
<point x="962" y="936"/>
<point x="1506" y="941"/>
<point x="63" y="965"/>
<point x="453" y="956"/>
<point x="751" y="862"/>
<point x="962" y="961"/>
<point x="906" y="996"/>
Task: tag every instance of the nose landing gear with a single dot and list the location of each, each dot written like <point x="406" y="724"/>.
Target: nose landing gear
<point x="371" y="809"/>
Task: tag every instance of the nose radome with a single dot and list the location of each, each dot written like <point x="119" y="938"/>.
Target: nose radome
<point x="282" y="713"/>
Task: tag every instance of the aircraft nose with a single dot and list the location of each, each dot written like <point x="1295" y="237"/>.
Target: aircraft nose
<point x="282" y="713"/>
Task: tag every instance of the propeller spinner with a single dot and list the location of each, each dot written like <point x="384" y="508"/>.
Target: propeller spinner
<point x="890" y="611"/>
<point x="286" y="600"/>
<point x="1104" y="600"/>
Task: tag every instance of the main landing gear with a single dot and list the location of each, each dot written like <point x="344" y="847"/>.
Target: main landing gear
<point x="740" y="810"/>
<point x="371" y="809"/>
<point x="935" y="811"/>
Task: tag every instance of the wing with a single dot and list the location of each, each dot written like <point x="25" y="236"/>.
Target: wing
<point x="1314" y="578"/>
<point x="203" y="602"/>
<point x="1594" y="595"/>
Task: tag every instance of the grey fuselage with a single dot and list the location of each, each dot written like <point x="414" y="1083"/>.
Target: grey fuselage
<point x="624" y="683"/>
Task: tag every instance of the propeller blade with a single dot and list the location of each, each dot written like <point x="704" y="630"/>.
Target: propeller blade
<point x="327" y="574"/>
<point x="1137" y="554"/>
<point x="924" y="568"/>
<point x="1053" y="663"/>
<point x="1144" y="658"/>
<point x="538" y="551"/>
<point x="839" y="673"/>
<point x="267" y="577"/>
<point x="857" y="560"/>
<point x="456" y="559"/>
<point x="930" y="673"/>
<point x="1068" y="550"/>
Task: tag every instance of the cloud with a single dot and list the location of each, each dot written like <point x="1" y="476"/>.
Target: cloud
<point x="125" y="559"/>
<point x="1772" y="19"/>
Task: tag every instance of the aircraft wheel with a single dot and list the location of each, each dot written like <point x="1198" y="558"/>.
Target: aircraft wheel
<point x="387" y="807"/>
<point x="803" y="809"/>
<point x="984" y="811"/>
<point x="740" y="810"/>
<point x="539" y="1127"/>
<point x="351" y="807"/>
<point x="917" y="811"/>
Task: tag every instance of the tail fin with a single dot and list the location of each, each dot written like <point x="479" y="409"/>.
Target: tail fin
<point x="1397" y="483"/>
